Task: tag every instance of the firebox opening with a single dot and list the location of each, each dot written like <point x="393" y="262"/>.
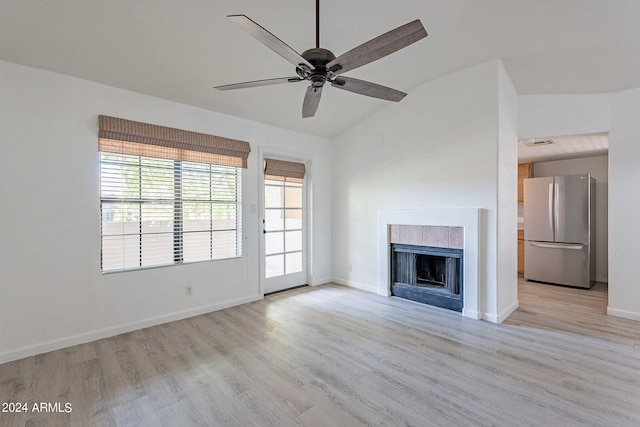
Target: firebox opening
<point x="430" y="271"/>
<point x="427" y="274"/>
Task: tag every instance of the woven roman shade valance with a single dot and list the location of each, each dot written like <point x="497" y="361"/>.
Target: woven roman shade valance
<point x="280" y="170"/>
<point x="142" y="139"/>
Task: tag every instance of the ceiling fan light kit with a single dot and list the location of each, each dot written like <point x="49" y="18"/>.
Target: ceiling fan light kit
<point x="319" y="66"/>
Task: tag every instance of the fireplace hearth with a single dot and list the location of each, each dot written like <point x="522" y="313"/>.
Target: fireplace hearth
<point x="430" y="275"/>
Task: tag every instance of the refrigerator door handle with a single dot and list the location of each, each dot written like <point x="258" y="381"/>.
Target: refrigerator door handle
<point x="551" y="209"/>
<point x="556" y="207"/>
<point x="556" y="246"/>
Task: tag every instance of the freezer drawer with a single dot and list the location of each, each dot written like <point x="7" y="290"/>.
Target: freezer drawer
<point x="559" y="263"/>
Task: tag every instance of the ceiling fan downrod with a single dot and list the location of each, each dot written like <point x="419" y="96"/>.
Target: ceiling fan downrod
<point x="317" y="24"/>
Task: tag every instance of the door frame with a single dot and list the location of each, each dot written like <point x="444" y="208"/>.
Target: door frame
<point x="307" y="160"/>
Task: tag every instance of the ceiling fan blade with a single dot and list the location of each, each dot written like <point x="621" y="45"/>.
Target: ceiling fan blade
<point x="257" y="83"/>
<point x="367" y="88"/>
<point x="311" y="101"/>
<point x="269" y="40"/>
<point x="379" y="47"/>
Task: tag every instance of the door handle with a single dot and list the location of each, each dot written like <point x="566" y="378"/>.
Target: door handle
<point x="551" y="225"/>
<point x="556" y="202"/>
<point x="550" y="246"/>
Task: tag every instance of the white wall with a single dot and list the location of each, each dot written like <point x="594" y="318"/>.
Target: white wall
<point x="598" y="167"/>
<point x="438" y="148"/>
<point x="507" y="151"/>
<point x="624" y="204"/>
<point x="52" y="293"/>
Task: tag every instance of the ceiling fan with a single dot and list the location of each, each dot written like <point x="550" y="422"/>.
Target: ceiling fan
<point x="320" y="66"/>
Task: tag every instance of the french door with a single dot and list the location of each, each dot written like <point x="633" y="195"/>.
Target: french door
<point x="284" y="231"/>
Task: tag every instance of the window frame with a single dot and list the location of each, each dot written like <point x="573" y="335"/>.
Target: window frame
<point x="178" y="201"/>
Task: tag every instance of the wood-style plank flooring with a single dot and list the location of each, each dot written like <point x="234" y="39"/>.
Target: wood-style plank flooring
<point x="336" y="356"/>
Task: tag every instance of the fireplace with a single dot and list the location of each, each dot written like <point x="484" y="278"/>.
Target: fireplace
<point x="426" y="274"/>
<point x="453" y="228"/>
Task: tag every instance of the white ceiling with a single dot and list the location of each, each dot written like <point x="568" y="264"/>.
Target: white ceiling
<point x="564" y="147"/>
<point x="179" y="50"/>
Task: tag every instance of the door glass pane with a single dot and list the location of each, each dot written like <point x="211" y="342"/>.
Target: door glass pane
<point x="293" y="197"/>
<point x="273" y="243"/>
<point x="272" y="197"/>
<point x="273" y="219"/>
<point x="294" y="262"/>
<point x="293" y="240"/>
<point x="293" y="219"/>
<point x="274" y="265"/>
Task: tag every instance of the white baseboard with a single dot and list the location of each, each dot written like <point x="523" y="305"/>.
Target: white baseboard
<point x="352" y="284"/>
<point x="507" y="311"/>
<point x="489" y="317"/>
<point x="322" y="281"/>
<point x="472" y="314"/>
<point x="500" y="317"/>
<point x="623" y="313"/>
<point x="57" y="344"/>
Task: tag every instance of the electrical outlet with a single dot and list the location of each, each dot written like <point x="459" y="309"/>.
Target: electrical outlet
<point x="350" y="267"/>
<point x="188" y="291"/>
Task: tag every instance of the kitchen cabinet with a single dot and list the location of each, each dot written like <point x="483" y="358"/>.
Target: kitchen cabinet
<point x="521" y="251"/>
<point x="525" y="170"/>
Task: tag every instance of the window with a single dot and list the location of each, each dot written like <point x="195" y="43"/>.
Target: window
<point x="161" y="211"/>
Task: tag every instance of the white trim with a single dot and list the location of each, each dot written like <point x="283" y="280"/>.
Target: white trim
<point x="321" y="281"/>
<point x="473" y="314"/>
<point x="357" y="285"/>
<point x="499" y="318"/>
<point x="469" y="218"/>
<point x="58" y="344"/>
<point x="632" y="315"/>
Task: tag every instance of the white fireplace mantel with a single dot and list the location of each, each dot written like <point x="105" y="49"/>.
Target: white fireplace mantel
<point x="468" y="218"/>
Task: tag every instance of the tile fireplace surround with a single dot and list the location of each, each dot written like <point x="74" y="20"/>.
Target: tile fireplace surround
<point x="437" y="236"/>
<point x="455" y="228"/>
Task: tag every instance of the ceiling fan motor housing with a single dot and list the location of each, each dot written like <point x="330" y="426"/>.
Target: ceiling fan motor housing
<point x="319" y="58"/>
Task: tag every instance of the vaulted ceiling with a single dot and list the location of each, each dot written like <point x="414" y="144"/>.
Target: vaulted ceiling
<point x="179" y="50"/>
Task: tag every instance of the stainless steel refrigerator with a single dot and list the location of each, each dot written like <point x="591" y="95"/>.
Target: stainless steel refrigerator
<point x="559" y="230"/>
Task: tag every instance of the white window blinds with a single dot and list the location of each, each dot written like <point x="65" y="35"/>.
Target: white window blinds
<point x="160" y="211"/>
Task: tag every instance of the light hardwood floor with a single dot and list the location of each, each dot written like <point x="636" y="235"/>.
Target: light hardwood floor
<point x="336" y="356"/>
